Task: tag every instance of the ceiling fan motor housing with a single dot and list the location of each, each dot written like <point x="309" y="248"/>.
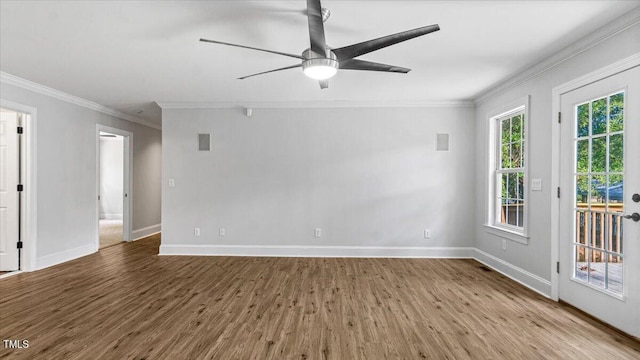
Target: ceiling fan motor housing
<point x="318" y="67"/>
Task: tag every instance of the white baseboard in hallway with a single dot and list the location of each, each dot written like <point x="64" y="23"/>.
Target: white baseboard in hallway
<point x="110" y="216"/>
<point x="144" y="232"/>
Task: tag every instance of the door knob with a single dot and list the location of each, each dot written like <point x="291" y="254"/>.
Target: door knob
<point x="635" y="217"/>
<point x="635" y="197"/>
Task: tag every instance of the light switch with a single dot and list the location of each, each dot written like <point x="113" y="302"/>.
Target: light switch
<point x="536" y="184"/>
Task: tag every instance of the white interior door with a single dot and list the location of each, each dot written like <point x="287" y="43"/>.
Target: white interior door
<point x="599" y="248"/>
<point x="8" y="191"/>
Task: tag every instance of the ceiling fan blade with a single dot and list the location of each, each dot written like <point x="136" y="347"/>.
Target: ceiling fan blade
<point x="355" y="64"/>
<point x="355" y="50"/>
<point x="324" y="84"/>
<point x="270" y="71"/>
<point x="316" y="27"/>
<point x="253" y="48"/>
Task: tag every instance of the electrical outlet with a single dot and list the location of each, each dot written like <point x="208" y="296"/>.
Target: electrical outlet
<point x="196" y="231"/>
<point x="222" y="232"/>
<point x="318" y="233"/>
<point x="504" y="245"/>
<point x="172" y="182"/>
<point x="427" y="233"/>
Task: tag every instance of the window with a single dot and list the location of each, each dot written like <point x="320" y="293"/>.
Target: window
<point x="510" y="171"/>
<point x="507" y="210"/>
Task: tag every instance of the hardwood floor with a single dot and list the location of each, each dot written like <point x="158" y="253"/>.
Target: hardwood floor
<point x="127" y="303"/>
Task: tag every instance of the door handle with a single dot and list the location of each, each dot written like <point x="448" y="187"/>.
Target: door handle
<point x="635" y="217"/>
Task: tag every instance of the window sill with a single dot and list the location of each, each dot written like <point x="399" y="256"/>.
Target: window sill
<point x="507" y="234"/>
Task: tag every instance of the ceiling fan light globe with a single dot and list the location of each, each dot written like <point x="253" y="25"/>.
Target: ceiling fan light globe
<point x="320" y="69"/>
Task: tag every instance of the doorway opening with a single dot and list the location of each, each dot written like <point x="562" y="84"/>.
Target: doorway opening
<point x="113" y="186"/>
<point x="111" y="189"/>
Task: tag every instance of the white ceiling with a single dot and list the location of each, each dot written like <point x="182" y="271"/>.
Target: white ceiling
<point x="128" y="54"/>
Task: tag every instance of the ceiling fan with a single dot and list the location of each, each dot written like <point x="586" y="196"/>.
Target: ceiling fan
<point x="321" y="62"/>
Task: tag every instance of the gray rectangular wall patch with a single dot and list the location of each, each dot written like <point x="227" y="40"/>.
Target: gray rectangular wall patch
<point x="204" y="142"/>
<point x="443" y="142"/>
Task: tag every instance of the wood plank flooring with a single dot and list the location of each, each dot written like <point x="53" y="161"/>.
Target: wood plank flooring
<point x="125" y="302"/>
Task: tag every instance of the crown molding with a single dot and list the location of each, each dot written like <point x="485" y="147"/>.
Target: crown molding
<point x="609" y="30"/>
<point x="57" y="94"/>
<point x="316" y="104"/>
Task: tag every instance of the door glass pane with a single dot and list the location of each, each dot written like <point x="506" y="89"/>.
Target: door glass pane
<point x="599" y="154"/>
<point x="582" y="191"/>
<point x="615" y="233"/>
<point x="616" y="119"/>
<point x="597" y="269"/>
<point x="598" y="191"/>
<point x="583" y="120"/>
<point x="616" y="152"/>
<point x="599" y="116"/>
<point x="581" y="263"/>
<point x="614" y="278"/>
<point x="615" y="189"/>
<point x="582" y="221"/>
<point x="619" y="228"/>
<point x="597" y="229"/>
<point x="582" y="156"/>
<point x="599" y="184"/>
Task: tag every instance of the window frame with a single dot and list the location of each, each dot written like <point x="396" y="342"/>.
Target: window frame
<point x="492" y="225"/>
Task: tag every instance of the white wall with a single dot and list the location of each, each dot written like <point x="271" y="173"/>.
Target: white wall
<point x="368" y="177"/>
<point x="534" y="259"/>
<point x="111" y="177"/>
<point x="66" y="161"/>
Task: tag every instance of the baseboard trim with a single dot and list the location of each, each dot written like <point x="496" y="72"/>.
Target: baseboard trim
<point x="532" y="281"/>
<point x="9" y="274"/>
<point x="64" y="256"/>
<point x="318" y="251"/>
<point x="144" y="232"/>
<point x="111" y="216"/>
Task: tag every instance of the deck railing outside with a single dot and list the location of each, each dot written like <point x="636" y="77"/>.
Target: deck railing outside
<point x="605" y="227"/>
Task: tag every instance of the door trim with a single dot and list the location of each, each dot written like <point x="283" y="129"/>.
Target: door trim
<point x="557" y="92"/>
<point x="127" y="184"/>
<point x="30" y="180"/>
